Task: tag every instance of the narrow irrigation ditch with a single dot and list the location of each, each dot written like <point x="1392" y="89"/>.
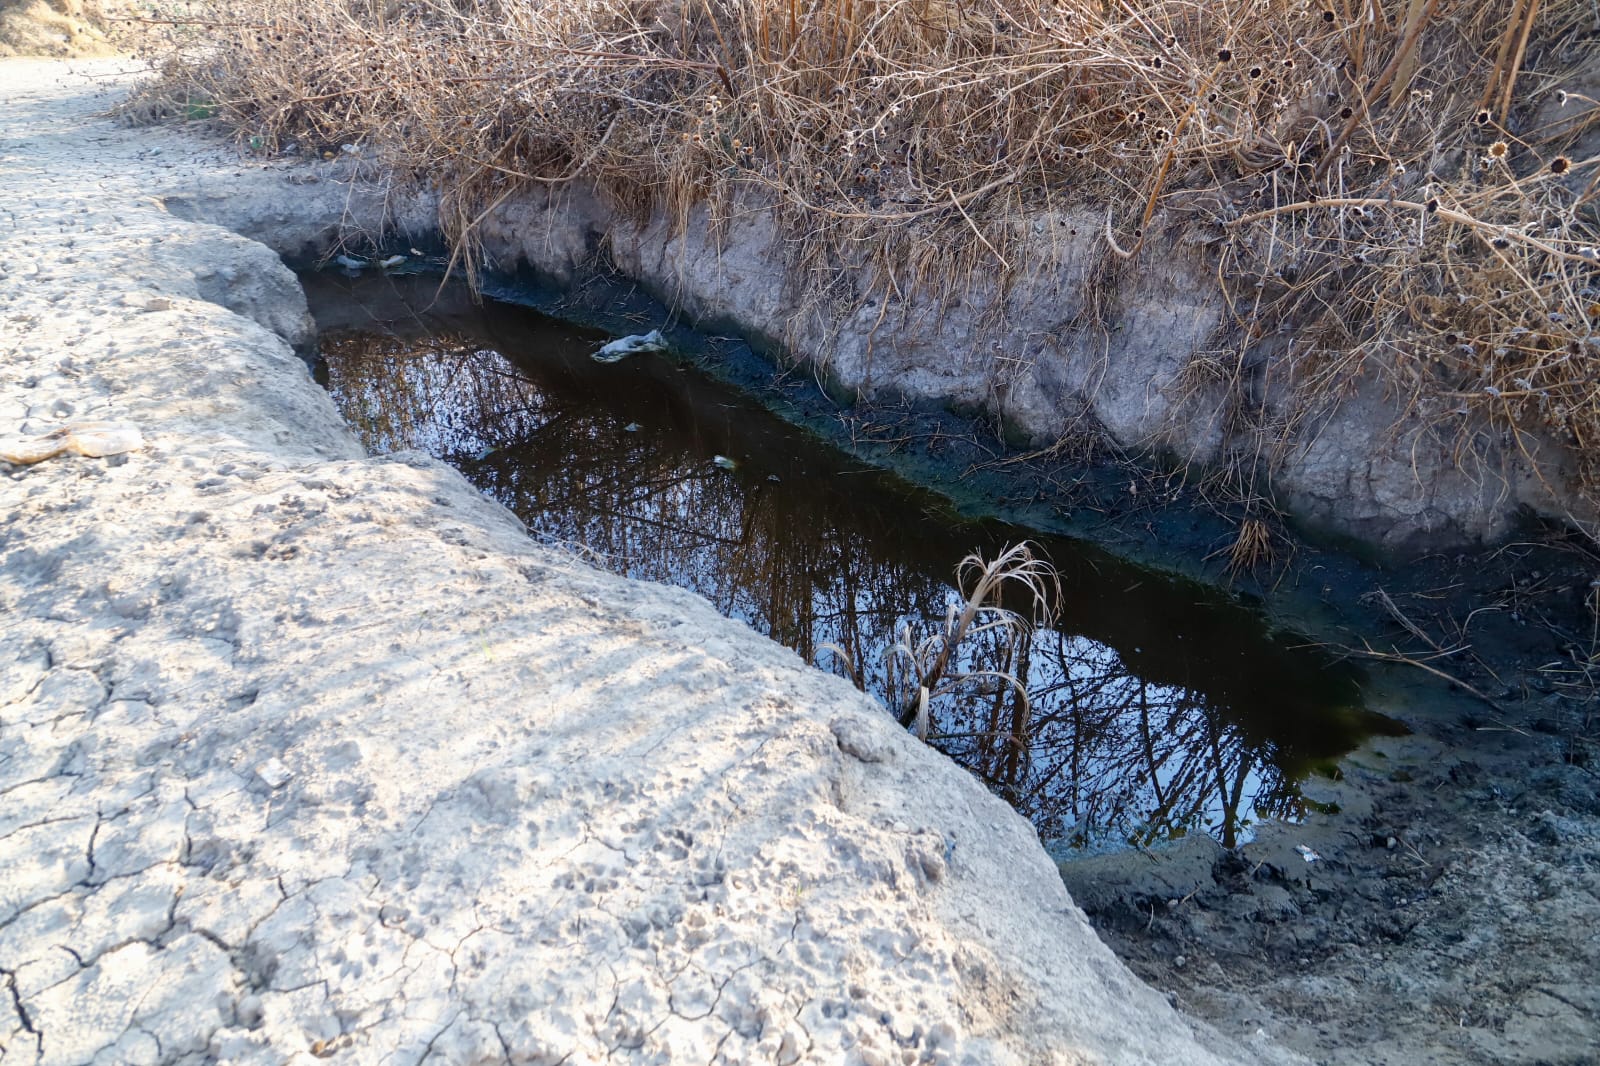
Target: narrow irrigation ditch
<point x="1147" y="708"/>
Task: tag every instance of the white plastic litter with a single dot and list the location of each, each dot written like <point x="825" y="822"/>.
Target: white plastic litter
<point x="274" y="774"/>
<point x="1306" y="853"/>
<point x="623" y="347"/>
<point x="94" y="439"/>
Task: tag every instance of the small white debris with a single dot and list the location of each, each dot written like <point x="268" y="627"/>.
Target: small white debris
<point x="901" y="827"/>
<point x="631" y="427"/>
<point x="391" y="262"/>
<point x="724" y="462"/>
<point x="273" y="773"/>
<point x="350" y="262"/>
<point x="93" y="439"/>
<point x="623" y="347"/>
<point x="1306" y="853"/>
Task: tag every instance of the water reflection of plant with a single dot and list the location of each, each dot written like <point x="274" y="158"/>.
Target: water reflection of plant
<point x="1054" y="722"/>
<point x="921" y="663"/>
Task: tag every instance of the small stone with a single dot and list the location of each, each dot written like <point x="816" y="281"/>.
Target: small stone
<point x="1181" y="961"/>
<point x="273" y="773"/>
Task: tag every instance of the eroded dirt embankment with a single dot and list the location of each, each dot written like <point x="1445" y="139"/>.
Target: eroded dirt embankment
<point x="309" y="754"/>
<point x="1040" y="356"/>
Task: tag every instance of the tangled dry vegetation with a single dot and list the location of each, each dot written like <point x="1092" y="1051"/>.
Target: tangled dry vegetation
<point x="1410" y="183"/>
<point x="53" y="28"/>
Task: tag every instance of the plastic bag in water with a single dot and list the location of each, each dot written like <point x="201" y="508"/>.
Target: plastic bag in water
<point x="623" y="347"/>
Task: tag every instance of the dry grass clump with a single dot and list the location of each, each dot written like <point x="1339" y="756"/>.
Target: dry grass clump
<point x="56" y="28"/>
<point x="1392" y="188"/>
<point x="77" y="29"/>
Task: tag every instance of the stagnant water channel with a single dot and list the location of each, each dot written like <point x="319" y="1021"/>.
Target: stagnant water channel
<point x="1155" y="706"/>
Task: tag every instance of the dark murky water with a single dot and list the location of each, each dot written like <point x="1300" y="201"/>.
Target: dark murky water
<point x="1155" y="707"/>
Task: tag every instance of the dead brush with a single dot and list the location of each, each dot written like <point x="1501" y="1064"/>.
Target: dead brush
<point x="1381" y="183"/>
<point x="1252" y="548"/>
<point x="926" y="665"/>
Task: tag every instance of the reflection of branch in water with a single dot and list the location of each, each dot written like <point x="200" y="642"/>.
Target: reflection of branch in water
<point x="1080" y="744"/>
<point x="1109" y="753"/>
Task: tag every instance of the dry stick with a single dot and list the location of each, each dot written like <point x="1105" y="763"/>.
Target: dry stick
<point x="1503" y="53"/>
<point x="1161" y="174"/>
<point x="1408" y="68"/>
<point x="188" y="22"/>
<point x="1369" y="652"/>
<point x="1352" y="50"/>
<point x="1516" y="63"/>
<point x="1411" y="205"/>
<point x="459" y="249"/>
<point x="1413" y="35"/>
<point x="977" y="231"/>
<point x="727" y="53"/>
<point x="1407" y="624"/>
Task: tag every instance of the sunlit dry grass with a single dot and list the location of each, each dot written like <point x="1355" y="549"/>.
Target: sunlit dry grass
<point x="1391" y="190"/>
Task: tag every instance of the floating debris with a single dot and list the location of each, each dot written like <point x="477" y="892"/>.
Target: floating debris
<point x="724" y="462"/>
<point x="391" y="262"/>
<point x="1306" y="853"/>
<point x="623" y="347"/>
<point x="350" y="262"/>
<point x="94" y="439"/>
<point x="632" y="427"/>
